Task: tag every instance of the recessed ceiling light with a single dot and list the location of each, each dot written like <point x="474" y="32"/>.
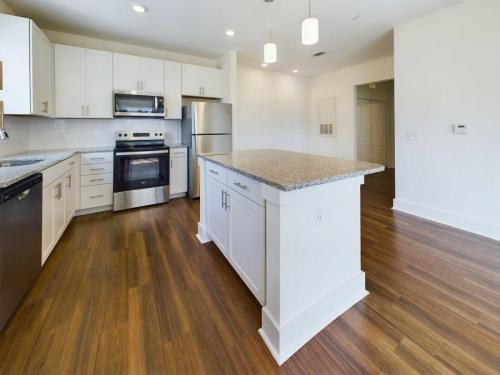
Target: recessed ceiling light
<point x="230" y="32"/>
<point x="139" y="8"/>
<point x="295" y="71"/>
<point x="264" y="65"/>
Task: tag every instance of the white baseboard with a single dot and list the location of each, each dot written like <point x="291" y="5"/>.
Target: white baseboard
<point x="448" y="218"/>
<point x="202" y="235"/>
<point x="285" y="339"/>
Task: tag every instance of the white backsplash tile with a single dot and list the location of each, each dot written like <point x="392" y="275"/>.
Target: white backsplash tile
<point x="18" y="130"/>
<point x="69" y="133"/>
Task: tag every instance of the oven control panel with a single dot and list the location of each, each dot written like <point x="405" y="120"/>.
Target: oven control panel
<point x="124" y="135"/>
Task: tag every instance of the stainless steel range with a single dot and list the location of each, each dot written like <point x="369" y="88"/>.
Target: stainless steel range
<point x="141" y="169"/>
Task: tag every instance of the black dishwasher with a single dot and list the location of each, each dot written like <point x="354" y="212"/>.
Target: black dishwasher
<point x="20" y="242"/>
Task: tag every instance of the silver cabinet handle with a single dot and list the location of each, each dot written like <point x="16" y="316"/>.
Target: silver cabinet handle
<point x="213" y="172"/>
<point x="97" y="179"/>
<point x="240" y="185"/>
<point x="222" y="198"/>
<point x="88" y="111"/>
<point x="83" y="110"/>
<point x="171" y="164"/>
<point x="97" y="196"/>
<point x="138" y="85"/>
<point x="226" y="205"/>
<point x="96" y="169"/>
<point x="69" y="181"/>
<point x="97" y="158"/>
<point x="59" y="191"/>
<point x="45" y="106"/>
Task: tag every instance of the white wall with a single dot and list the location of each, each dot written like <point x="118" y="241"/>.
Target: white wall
<point x="273" y="110"/>
<point x="73" y="133"/>
<point x="342" y="85"/>
<point x="447" y="68"/>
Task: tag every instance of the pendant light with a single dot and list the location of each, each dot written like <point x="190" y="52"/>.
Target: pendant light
<point x="270" y="51"/>
<point x="310" y="29"/>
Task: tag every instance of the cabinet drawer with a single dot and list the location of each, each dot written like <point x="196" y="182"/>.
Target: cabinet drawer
<point x="96" y="196"/>
<point x="97" y="179"/>
<point x="245" y="186"/>
<point x="97" y="157"/>
<point x="90" y="169"/>
<point x="217" y="172"/>
<point x="57" y="170"/>
<point x="178" y="152"/>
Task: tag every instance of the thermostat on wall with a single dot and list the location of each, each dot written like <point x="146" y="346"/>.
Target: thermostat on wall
<point x="460" y="129"/>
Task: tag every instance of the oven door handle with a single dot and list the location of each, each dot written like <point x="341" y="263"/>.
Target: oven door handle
<point x="131" y="153"/>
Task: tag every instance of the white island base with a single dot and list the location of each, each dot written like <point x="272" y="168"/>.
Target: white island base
<point x="312" y="255"/>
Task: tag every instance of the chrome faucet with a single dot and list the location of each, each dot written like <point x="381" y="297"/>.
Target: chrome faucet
<point x="3" y="133"/>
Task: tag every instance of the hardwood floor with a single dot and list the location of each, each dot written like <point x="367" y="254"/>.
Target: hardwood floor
<point x="136" y="293"/>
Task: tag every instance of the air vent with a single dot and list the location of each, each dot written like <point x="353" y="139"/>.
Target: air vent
<point x="318" y="54"/>
<point x="326" y="130"/>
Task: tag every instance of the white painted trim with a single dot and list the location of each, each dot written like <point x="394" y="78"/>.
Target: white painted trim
<point x="93" y="210"/>
<point x="448" y="218"/>
<point x="202" y="234"/>
<point x="312" y="320"/>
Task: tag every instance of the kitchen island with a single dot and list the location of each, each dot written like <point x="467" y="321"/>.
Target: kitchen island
<point x="289" y="224"/>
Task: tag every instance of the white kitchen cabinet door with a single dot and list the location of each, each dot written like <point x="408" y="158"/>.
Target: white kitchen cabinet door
<point x="98" y="84"/>
<point x="152" y="79"/>
<point x="217" y="214"/>
<point x="126" y="72"/>
<point x="201" y="81"/>
<point x="212" y="82"/>
<point x="41" y="73"/>
<point x="59" y="193"/>
<point x="178" y="175"/>
<point x="246" y="250"/>
<point x="173" y="90"/>
<point x="69" y="81"/>
<point x="70" y="198"/>
<point x="47" y="221"/>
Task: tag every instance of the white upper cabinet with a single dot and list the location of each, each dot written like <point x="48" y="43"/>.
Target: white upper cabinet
<point x="99" y="84"/>
<point x="201" y="81"/>
<point x="83" y="80"/>
<point x="27" y="57"/>
<point x="173" y="90"/>
<point x="134" y="73"/>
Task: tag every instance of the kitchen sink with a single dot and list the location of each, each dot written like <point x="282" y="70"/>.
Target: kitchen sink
<point x="18" y="163"/>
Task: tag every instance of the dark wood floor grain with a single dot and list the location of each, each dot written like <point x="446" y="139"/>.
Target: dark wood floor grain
<point x="135" y="293"/>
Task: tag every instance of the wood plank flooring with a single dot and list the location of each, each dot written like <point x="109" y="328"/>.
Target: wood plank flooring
<point x="135" y="293"/>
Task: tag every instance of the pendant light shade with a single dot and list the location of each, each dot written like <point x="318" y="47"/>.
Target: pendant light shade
<point x="310" y="30"/>
<point x="270" y="53"/>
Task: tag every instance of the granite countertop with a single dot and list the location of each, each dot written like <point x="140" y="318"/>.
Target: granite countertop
<point x="11" y="175"/>
<point x="288" y="171"/>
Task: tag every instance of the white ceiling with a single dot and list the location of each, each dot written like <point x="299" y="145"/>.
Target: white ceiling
<point x="197" y="26"/>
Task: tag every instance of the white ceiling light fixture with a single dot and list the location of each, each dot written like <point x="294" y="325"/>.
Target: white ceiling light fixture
<point x="230" y="32"/>
<point x="310" y="29"/>
<point x="139" y="8"/>
<point x="270" y="51"/>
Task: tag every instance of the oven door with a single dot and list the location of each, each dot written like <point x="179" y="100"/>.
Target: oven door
<point x="134" y="170"/>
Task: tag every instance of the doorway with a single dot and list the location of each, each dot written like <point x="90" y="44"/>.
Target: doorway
<point x="375" y="123"/>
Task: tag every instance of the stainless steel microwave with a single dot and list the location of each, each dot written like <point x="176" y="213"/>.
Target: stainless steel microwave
<point x="133" y="104"/>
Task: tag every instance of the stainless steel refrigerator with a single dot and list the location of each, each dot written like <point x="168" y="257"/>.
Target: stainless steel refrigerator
<point x="206" y="128"/>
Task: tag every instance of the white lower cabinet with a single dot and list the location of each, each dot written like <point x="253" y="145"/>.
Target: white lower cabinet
<point x="246" y="250"/>
<point x="96" y="180"/>
<point x="236" y="224"/>
<point x="59" y="202"/>
<point x="178" y="172"/>
<point x="217" y="214"/>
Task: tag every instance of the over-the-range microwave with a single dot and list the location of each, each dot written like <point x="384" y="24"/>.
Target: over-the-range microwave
<point x="134" y="104"/>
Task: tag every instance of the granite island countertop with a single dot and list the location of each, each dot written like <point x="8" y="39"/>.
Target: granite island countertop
<point x="11" y="175"/>
<point x="286" y="170"/>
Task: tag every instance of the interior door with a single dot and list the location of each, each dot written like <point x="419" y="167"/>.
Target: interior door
<point x="379" y="132"/>
<point x="70" y="81"/>
<point x="217" y="214"/>
<point x="364" y="131"/>
<point x="99" y="83"/>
